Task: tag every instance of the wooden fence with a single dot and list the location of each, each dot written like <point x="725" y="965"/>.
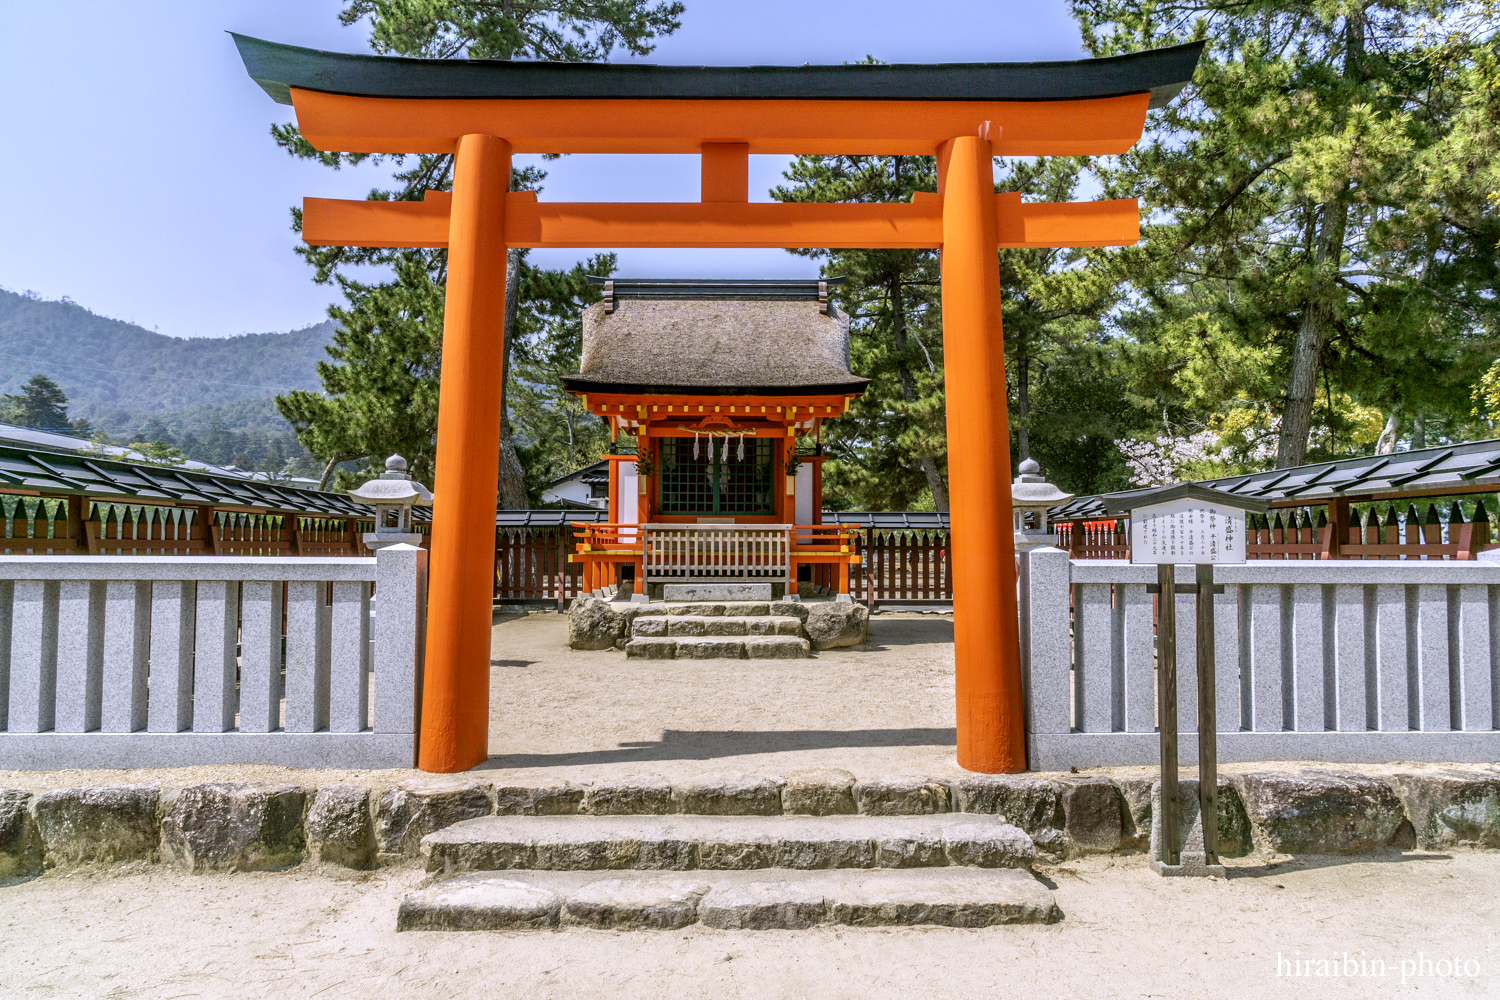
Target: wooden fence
<point x="902" y="566"/>
<point x="531" y="564"/>
<point x="74" y="526"/>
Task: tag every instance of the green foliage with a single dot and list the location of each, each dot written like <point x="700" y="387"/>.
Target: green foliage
<point x="381" y="388"/>
<point x="551" y="431"/>
<point x="1319" y="218"/>
<point x="891" y="447"/>
<point x="550" y="30"/>
<point x="1067" y="389"/>
<point x="555" y="435"/>
<point x="157" y="452"/>
<point x="40" y="405"/>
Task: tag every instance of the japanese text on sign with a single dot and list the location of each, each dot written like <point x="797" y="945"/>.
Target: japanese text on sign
<point x="1187" y="531"/>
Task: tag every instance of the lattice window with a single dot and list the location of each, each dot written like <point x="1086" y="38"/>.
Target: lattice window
<point x="711" y="484"/>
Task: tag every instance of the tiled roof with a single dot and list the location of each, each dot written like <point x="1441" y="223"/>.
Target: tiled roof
<point x="889" y="520"/>
<point x="69" y="472"/>
<point x="1426" y="472"/>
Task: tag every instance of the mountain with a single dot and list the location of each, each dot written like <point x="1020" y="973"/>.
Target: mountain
<point x="212" y="396"/>
<point x="116" y="372"/>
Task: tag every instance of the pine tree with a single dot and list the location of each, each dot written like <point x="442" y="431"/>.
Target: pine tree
<point x="556" y="30"/>
<point x="890" y="450"/>
<point x="41" y="405"/>
<point x="1320" y="223"/>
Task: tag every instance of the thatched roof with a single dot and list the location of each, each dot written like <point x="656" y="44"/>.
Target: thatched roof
<point x="693" y="338"/>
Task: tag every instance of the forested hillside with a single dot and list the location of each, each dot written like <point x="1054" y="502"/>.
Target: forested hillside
<point x="111" y="369"/>
<point x="212" y="396"/>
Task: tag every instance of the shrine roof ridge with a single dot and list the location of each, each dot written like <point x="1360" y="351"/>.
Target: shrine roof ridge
<point x="717" y="288"/>
<point x="279" y="68"/>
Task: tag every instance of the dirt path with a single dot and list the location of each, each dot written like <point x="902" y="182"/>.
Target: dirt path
<point x="1126" y="933"/>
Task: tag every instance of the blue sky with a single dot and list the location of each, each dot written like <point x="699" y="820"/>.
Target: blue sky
<point x="141" y="183"/>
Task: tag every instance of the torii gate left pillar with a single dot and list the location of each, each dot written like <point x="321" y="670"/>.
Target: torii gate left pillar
<point x="377" y="105"/>
<point x="455" y="725"/>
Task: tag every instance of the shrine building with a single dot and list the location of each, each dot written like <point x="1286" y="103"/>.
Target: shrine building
<point x="725" y="385"/>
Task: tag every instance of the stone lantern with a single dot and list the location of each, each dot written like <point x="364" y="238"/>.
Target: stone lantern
<point x="1031" y="497"/>
<point x="393" y="496"/>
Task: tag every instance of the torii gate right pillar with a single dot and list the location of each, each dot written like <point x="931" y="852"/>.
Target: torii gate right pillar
<point x="986" y="643"/>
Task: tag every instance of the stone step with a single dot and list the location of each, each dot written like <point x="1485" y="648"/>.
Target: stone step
<point x="762" y="900"/>
<point x="713" y="609"/>
<point x="761" y="647"/>
<point x="657" y="626"/>
<point x="709" y="591"/>
<point x="573" y="843"/>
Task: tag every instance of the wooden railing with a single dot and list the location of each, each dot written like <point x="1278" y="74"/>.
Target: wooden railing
<point x="1093" y="539"/>
<point x="1376" y="533"/>
<point x="722" y="552"/>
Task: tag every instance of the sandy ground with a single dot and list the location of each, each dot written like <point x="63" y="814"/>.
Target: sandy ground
<point x="1126" y="933"/>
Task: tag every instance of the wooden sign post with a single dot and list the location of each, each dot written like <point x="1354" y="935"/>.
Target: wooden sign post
<point x="1185" y="523"/>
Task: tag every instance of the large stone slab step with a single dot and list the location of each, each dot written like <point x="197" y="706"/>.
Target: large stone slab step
<point x="761" y="900"/>
<point x="681" y="843"/>
<point x="692" y="626"/>
<point x="728" y="647"/>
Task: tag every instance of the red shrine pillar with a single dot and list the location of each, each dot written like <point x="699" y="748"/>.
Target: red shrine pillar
<point x="991" y="721"/>
<point x="456" y="681"/>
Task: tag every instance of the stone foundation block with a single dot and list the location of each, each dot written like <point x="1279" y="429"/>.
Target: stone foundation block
<point x="1033" y="804"/>
<point x="20" y="841"/>
<point x="651" y="649"/>
<point x="478" y="903"/>
<point x="824" y="791"/>
<point x="901" y="795"/>
<point x="1092" y="821"/>
<point x="984" y="845"/>
<point x="1317" y="811"/>
<point x="545" y="800"/>
<point x="235" y="827"/>
<point x="784" y="609"/>
<point x="85" y="825"/>
<point x="729" y="793"/>
<point x="1234" y="825"/>
<point x="634" y="795"/>
<point x="1451" y="807"/>
<point x="761" y="906"/>
<point x="836" y="625"/>
<point x="407" y="813"/>
<point x="339" y="828"/>
<point x="710" y="649"/>
<point x="636" y="904"/>
<point x="593" y="624"/>
<point x="777" y="647"/>
<point x="655" y="626"/>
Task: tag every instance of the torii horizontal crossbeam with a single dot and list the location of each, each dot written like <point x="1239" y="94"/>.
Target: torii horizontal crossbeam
<point x="530" y="223"/>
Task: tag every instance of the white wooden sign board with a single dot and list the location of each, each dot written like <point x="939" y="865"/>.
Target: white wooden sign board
<point x="1187" y="531"/>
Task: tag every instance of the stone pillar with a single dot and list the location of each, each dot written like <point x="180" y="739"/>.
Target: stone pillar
<point x="456" y="681"/>
<point x="991" y="734"/>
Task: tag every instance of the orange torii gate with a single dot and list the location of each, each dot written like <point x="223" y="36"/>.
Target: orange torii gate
<point x="484" y="111"/>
